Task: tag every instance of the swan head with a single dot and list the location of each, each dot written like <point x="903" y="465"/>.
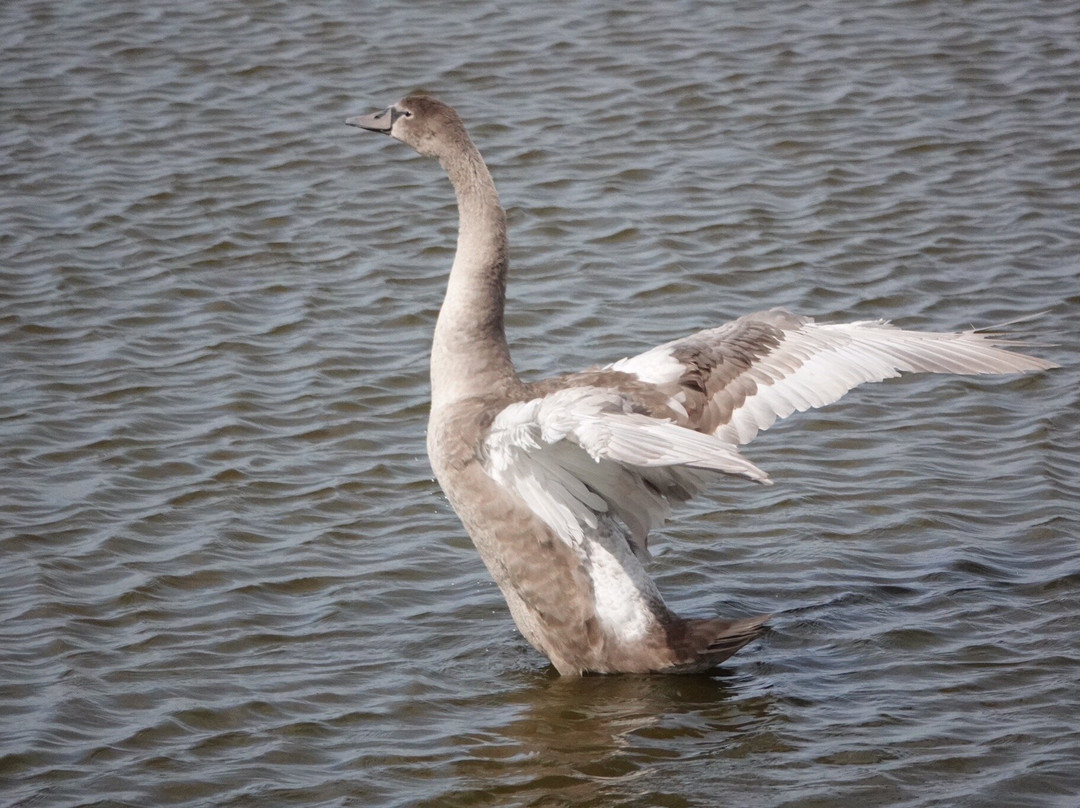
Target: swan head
<point x="426" y="124"/>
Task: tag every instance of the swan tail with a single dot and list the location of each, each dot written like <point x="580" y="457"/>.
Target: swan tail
<point x="703" y="644"/>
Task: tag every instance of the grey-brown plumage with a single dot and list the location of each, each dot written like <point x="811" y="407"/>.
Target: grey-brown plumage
<point x="559" y="482"/>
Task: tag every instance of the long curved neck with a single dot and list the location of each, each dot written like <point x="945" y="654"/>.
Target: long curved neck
<point x="469" y="355"/>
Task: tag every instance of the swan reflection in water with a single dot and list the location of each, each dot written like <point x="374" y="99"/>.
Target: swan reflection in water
<point x="607" y="741"/>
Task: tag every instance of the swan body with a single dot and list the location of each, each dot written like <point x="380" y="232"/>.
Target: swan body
<point x="559" y="482"/>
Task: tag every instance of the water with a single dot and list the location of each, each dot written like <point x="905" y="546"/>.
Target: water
<point x="227" y="577"/>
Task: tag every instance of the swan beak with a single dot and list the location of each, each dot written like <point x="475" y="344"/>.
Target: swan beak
<point x="375" y="122"/>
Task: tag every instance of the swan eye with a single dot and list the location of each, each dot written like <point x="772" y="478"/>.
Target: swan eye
<point x="396" y="113"/>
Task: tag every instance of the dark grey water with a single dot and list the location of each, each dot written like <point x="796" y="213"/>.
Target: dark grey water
<point x="226" y="576"/>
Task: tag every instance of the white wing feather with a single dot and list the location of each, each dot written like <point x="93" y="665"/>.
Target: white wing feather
<point x="819" y="363"/>
<point x="583" y="451"/>
<point x="815" y="364"/>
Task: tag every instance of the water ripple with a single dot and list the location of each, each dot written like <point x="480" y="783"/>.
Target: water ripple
<point x="228" y="577"/>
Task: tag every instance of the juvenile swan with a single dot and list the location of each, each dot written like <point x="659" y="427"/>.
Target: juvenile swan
<point x="559" y="482"/>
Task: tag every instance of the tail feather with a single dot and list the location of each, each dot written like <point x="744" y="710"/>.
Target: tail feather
<point x="704" y="644"/>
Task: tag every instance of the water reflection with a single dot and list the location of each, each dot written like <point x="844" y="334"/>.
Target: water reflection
<point x="601" y="740"/>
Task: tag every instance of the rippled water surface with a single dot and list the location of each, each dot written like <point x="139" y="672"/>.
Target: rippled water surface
<point x="226" y="575"/>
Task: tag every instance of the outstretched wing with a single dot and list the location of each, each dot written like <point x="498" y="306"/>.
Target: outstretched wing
<point x="738" y="379"/>
<point x="581" y="452"/>
<point x="628" y="439"/>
